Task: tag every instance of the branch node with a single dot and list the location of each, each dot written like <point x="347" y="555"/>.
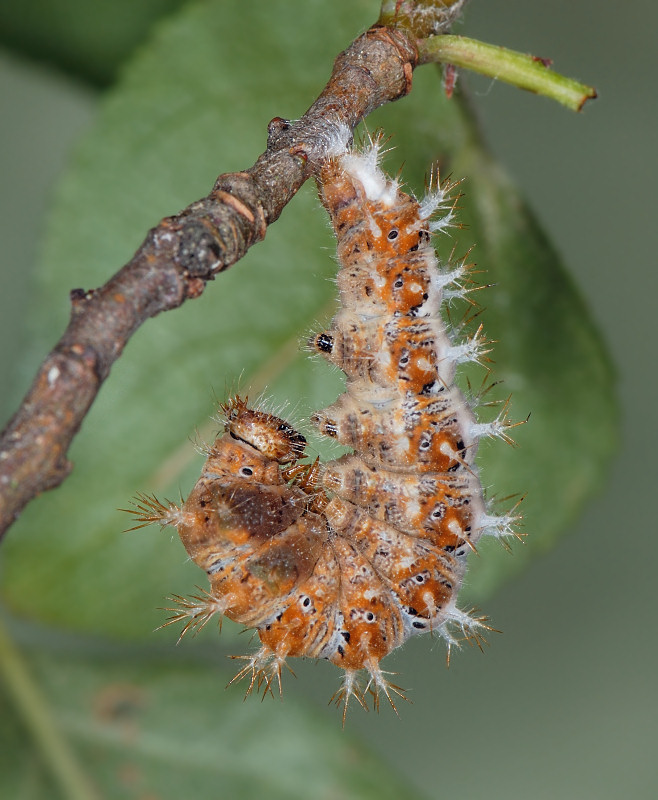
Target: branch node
<point x="275" y="129"/>
<point x="199" y="248"/>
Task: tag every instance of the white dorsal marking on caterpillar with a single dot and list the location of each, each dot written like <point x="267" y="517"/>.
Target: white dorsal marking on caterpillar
<point x="363" y="166"/>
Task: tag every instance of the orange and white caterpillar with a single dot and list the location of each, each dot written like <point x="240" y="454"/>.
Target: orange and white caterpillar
<point x="346" y="560"/>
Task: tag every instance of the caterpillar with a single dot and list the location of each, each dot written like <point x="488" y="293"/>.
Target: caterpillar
<point x="347" y="560"/>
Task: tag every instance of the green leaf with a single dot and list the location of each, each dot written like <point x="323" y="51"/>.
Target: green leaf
<point x="130" y="727"/>
<point x="21" y="769"/>
<point x="89" y="40"/>
<point x="548" y="353"/>
<point x="194" y="103"/>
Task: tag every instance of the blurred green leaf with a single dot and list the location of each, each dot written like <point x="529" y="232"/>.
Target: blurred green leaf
<point x="195" y="103"/>
<point x="552" y="359"/>
<point x="88" y="39"/>
<point x="547" y="354"/>
<point x="22" y="771"/>
<point x="146" y="728"/>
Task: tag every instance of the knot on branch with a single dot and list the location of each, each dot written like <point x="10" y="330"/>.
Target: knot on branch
<point x="374" y="52"/>
<point x="199" y="248"/>
<point x="76" y="359"/>
<point x="421" y="18"/>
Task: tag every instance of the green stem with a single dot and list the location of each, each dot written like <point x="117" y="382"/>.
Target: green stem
<point x="519" y="69"/>
<point x="33" y="710"/>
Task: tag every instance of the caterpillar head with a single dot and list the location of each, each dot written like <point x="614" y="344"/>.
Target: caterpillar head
<point x="270" y="435"/>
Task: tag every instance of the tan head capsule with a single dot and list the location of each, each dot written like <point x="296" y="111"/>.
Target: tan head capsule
<point x="270" y="435"/>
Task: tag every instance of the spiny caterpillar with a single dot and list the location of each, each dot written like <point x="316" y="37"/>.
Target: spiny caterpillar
<point x="346" y="560"/>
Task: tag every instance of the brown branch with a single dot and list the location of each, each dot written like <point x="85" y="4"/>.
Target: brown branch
<point x="179" y="256"/>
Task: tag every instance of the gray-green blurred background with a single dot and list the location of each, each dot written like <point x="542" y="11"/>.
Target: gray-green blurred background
<point x="564" y="704"/>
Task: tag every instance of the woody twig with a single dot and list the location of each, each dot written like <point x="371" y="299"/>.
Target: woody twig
<point x="177" y="259"/>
